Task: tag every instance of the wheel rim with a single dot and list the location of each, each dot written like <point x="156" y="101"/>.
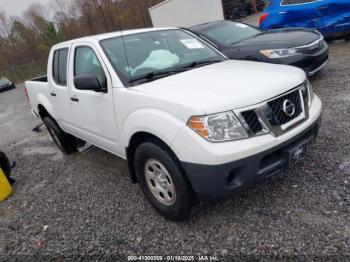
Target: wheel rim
<point x="159" y="182"/>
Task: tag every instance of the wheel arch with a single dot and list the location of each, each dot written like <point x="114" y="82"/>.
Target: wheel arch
<point x="45" y="107"/>
<point x="137" y="139"/>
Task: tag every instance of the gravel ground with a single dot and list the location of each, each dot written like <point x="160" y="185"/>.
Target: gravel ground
<point x="86" y="204"/>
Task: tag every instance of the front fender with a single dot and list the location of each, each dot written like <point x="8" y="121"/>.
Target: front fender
<point x="163" y="125"/>
<point x="45" y="102"/>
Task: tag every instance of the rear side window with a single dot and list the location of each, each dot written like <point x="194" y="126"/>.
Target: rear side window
<point x="296" y="2"/>
<point x="60" y="59"/>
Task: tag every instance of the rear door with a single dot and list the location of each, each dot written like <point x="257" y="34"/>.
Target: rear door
<point x="95" y="118"/>
<point x="57" y="82"/>
<point x="339" y="16"/>
<point x="303" y="13"/>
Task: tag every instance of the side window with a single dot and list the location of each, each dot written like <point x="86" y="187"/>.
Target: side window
<point x="59" y="71"/>
<point x="87" y="63"/>
<point x="296" y="2"/>
<point x="62" y="67"/>
<point x="55" y="66"/>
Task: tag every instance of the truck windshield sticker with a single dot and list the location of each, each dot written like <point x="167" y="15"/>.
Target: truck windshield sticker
<point x="241" y="25"/>
<point x="192" y="43"/>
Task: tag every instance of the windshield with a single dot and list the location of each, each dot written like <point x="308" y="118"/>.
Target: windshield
<point x="158" y="52"/>
<point x="229" y="33"/>
<point x="3" y="81"/>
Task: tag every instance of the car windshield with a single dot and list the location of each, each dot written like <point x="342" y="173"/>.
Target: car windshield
<point x="3" y="81"/>
<point x="229" y="33"/>
<point x="151" y="55"/>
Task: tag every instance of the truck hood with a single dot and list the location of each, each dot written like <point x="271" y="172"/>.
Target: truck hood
<point x="225" y="86"/>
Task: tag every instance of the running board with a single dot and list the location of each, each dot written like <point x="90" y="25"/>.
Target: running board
<point x="85" y="148"/>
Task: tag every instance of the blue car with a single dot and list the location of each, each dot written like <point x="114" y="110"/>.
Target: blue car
<point x="330" y="17"/>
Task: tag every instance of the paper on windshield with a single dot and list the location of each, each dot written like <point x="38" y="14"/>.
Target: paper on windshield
<point x="241" y="25"/>
<point x="192" y="43"/>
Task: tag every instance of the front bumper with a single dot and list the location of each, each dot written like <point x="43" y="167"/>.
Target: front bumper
<point x="310" y="63"/>
<point x="229" y="178"/>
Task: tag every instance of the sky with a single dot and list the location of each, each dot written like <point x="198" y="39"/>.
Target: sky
<point x="16" y="7"/>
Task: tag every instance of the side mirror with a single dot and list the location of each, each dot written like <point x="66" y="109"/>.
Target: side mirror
<point x="87" y="82"/>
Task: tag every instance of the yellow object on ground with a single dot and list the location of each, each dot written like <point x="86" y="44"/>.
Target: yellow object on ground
<point x="5" y="187"/>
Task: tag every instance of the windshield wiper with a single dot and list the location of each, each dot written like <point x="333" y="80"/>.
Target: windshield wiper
<point x="157" y="75"/>
<point x="196" y="64"/>
<point x="151" y="76"/>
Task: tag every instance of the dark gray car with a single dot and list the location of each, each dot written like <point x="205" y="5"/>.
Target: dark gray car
<point x="298" y="47"/>
<point x="6" y="84"/>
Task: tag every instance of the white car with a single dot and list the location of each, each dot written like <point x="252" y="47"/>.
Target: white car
<point x="189" y="121"/>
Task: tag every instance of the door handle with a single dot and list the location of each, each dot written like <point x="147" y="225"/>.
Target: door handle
<point x="322" y="7"/>
<point x="53" y="94"/>
<point x="74" y="99"/>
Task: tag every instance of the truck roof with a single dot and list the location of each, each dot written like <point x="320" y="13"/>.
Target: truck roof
<point x="111" y="35"/>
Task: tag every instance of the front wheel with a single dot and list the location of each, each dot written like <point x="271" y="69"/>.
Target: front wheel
<point x="163" y="182"/>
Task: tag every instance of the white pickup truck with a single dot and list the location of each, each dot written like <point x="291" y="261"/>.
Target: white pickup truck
<point x="188" y="121"/>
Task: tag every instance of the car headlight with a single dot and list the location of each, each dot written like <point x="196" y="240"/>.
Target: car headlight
<point x="311" y="92"/>
<point x="218" y="127"/>
<point x="307" y="92"/>
<point x="279" y="53"/>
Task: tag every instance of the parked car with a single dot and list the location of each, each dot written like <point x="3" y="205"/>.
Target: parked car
<point x="330" y="17"/>
<point x="188" y="121"/>
<point x="302" y="48"/>
<point x="6" y="84"/>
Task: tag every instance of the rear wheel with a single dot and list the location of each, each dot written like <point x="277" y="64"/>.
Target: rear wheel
<point x="65" y="142"/>
<point x="163" y="182"/>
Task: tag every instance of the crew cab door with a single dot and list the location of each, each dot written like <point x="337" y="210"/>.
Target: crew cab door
<point x="95" y="119"/>
<point x="339" y="16"/>
<point x="57" y="82"/>
<point x="303" y="13"/>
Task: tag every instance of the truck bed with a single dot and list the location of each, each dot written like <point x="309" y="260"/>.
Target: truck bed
<point x="35" y="88"/>
<point x="39" y="79"/>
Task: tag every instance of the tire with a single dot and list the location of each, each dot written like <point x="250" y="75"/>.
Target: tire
<point x="243" y="14"/>
<point x="65" y="142"/>
<point x="178" y="196"/>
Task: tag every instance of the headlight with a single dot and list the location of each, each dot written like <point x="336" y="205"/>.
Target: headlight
<point x="307" y="92"/>
<point x="218" y="127"/>
<point x="279" y="53"/>
<point x="311" y="92"/>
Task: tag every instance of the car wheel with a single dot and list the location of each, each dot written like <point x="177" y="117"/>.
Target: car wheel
<point x="65" y="142"/>
<point x="163" y="182"/>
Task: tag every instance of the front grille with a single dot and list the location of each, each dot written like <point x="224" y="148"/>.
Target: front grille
<point x="277" y="115"/>
<point x="275" y="112"/>
<point x="314" y="47"/>
<point x="252" y="121"/>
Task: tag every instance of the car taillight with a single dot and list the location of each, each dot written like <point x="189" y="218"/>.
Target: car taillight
<point x="263" y="17"/>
